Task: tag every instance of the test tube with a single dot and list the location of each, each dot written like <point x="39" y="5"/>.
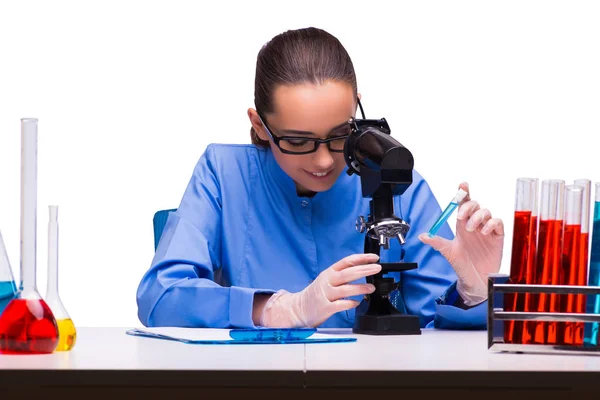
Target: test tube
<point x="568" y="273"/>
<point x="460" y="195"/>
<point x="582" y="268"/>
<point x="593" y="301"/>
<point x="523" y="252"/>
<point x="549" y="251"/>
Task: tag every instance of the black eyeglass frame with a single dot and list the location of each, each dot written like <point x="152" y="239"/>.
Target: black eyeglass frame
<point x="317" y="142"/>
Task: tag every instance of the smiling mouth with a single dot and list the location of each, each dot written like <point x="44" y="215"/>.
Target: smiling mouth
<point x="318" y="174"/>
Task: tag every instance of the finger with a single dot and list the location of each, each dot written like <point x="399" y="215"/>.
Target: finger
<point x="465" y="186"/>
<point x="478" y="218"/>
<point x="354" y="259"/>
<point x="350" y="290"/>
<point x="439" y="243"/>
<point x="494" y="225"/>
<point x="467" y="209"/>
<point x="343" y="305"/>
<point x="351" y="274"/>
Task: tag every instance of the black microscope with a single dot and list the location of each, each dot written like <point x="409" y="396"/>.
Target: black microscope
<point x="385" y="168"/>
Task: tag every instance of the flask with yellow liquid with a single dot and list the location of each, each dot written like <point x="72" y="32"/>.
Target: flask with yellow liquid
<point x="67" y="334"/>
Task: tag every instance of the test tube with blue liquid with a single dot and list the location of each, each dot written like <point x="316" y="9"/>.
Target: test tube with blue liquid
<point x="593" y="301"/>
<point x="453" y="205"/>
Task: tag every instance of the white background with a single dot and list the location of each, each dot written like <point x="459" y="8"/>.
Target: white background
<point x="129" y="93"/>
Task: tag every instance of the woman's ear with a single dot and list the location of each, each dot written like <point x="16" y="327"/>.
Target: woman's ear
<point x="257" y="125"/>
<point x="359" y="96"/>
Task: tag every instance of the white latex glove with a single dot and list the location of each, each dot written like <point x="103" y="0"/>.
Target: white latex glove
<point x="323" y="297"/>
<point x="475" y="252"/>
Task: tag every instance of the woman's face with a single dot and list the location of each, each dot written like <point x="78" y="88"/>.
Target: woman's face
<point x="310" y="111"/>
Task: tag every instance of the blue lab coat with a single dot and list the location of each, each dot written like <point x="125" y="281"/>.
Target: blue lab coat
<point x="242" y="229"/>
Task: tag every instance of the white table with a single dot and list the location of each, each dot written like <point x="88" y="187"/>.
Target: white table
<point x="448" y="361"/>
<point x="108" y="362"/>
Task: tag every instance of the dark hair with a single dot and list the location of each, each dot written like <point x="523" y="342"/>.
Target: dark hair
<point x="294" y="57"/>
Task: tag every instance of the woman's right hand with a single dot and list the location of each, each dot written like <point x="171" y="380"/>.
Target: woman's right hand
<point x="324" y="297"/>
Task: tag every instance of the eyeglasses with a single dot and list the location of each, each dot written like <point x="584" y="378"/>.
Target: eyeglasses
<point x="306" y="145"/>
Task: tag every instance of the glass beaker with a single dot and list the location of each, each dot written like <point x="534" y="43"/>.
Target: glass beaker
<point x="8" y="290"/>
<point x="66" y="329"/>
<point x="27" y="325"/>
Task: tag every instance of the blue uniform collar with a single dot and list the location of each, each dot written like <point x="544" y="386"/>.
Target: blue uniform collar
<point x="286" y="183"/>
<point x="345" y="186"/>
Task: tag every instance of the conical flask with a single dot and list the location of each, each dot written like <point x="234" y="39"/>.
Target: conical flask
<point x="8" y="290"/>
<point x="27" y="325"/>
<point x="66" y="329"/>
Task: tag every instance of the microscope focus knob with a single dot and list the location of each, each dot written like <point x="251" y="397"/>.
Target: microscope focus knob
<point x="361" y="224"/>
<point x="384" y="242"/>
<point x="401" y="238"/>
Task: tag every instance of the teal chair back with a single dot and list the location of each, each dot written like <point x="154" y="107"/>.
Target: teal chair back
<point x="159" y="221"/>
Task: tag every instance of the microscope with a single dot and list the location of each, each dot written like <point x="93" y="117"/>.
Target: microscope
<point x="385" y="169"/>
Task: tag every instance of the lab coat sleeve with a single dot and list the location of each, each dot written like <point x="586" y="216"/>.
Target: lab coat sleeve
<point x="430" y="290"/>
<point x="179" y="288"/>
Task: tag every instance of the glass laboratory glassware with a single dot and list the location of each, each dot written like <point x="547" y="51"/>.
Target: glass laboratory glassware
<point x="453" y="205"/>
<point x="66" y="329"/>
<point x="8" y="290"/>
<point x="548" y="252"/>
<point x="523" y="255"/>
<point x="582" y="268"/>
<point x="593" y="301"/>
<point x="27" y="325"/>
<point x="568" y="274"/>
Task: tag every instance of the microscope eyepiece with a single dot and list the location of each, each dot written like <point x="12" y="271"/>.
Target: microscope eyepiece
<point x="371" y="152"/>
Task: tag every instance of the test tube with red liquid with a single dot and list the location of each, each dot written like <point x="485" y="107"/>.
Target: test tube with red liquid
<point x="548" y="254"/>
<point x="568" y="273"/>
<point x="27" y="325"/>
<point x="523" y="255"/>
<point x="582" y="268"/>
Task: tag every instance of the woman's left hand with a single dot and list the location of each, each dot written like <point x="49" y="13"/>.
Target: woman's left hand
<point x="475" y="252"/>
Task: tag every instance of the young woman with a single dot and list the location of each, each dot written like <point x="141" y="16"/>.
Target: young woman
<point x="264" y="234"/>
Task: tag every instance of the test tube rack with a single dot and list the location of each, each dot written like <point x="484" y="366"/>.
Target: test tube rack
<point x="497" y="288"/>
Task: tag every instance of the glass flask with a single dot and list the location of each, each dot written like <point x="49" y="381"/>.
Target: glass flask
<point x="8" y="290"/>
<point x="27" y="325"/>
<point x="66" y="329"/>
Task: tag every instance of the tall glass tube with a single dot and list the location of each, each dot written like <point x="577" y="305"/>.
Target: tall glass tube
<point x="582" y="269"/>
<point x="523" y="251"/>
<point x="593" y="302"/>
<point x="549" y="251"/>
<point x="66" y="329"/>
<point x="27" y="324"/>
<point x="29" y="137"/>
<point x="569" y="271"/>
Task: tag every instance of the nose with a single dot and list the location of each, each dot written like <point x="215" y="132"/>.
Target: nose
<point x="323" y="159"/>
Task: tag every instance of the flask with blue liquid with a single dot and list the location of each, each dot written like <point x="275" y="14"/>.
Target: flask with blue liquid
<point x="8" y="288"/>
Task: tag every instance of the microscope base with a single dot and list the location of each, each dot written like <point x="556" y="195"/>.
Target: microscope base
<point x="394" y="324"/>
